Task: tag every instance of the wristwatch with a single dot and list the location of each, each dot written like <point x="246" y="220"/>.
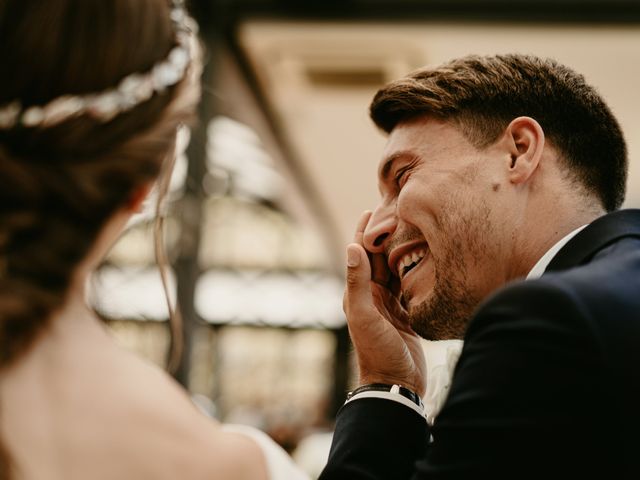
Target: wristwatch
<point x="384" y="387"/>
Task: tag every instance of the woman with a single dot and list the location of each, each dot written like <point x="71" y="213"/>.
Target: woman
<point x="92" y="94"/>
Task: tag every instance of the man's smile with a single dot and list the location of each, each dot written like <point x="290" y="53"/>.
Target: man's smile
<point x="405" y="258"/>
<point x="409" y="261"/>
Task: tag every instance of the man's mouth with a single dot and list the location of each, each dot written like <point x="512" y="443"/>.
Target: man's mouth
<point x="410" y="261"/>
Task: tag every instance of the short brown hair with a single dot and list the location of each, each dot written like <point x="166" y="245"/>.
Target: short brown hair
<point x="482" y="94"/>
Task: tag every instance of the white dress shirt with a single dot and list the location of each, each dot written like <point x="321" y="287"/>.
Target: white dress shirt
<point x="542" y="264"/>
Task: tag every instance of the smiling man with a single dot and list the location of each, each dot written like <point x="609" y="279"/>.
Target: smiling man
<point x="499" y="224"/>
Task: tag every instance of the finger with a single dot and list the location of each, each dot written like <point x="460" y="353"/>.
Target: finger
<point x="394" y="286"/>
<point x="386" y="302"/>
<point x="380" y="269"/>
<point x="358" y="301"/>
<point x="361" y="225"/>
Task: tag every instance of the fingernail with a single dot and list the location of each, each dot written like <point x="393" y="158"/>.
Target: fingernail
<point x="353" y="256"/>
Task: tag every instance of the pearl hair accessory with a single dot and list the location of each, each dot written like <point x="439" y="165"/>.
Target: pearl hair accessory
<point x="132" y="90"/>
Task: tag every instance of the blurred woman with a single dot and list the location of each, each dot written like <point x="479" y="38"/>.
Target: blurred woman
<point x="92" y="93"/>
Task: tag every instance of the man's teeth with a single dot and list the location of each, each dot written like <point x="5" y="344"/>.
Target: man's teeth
<point x="410" y="260"/>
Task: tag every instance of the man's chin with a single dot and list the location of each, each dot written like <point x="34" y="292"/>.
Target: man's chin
<point x="438" y="317"/>
<point x="413" y="303"/>
<point x="418" y="313"/>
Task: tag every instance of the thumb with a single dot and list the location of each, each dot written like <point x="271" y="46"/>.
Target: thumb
<point x="358" y="292"/>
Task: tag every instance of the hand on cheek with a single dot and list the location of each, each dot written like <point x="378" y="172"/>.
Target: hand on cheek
<point x="388" y="351"/>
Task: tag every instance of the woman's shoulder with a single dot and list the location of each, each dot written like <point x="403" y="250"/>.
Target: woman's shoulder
<point x="216" y="450"/>
<point x="111" y="414"/>
<point x="161" y="415"/>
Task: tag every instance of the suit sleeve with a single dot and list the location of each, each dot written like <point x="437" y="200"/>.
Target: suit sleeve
<point x="521" y="403"/>
<point x="376" y="438"/>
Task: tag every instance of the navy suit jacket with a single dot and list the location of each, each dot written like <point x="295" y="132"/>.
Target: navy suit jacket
<point x="547" y="385"/>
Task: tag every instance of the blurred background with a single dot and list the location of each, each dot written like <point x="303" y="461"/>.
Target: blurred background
<point x="269" y="183"/>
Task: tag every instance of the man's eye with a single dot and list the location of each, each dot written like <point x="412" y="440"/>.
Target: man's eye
<point x="401" y="177"/>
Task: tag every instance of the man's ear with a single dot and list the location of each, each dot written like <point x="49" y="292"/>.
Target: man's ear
<point x="137" y="197"/>
<point x="525" y="140"/>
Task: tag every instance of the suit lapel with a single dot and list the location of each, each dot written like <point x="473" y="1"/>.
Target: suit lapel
<point x="600" y="233"/>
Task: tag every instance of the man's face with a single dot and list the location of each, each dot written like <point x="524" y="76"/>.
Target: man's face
<point x="436" y="224"/>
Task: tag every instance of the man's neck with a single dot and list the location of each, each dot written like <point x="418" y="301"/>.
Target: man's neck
<point x="544" y="231"/>
<point x="539" y="268"/>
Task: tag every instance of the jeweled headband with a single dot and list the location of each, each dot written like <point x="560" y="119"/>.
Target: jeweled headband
<point x="132" y="90"/>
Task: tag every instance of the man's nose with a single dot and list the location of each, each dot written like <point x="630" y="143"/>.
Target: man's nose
<point x="382" y="224"/>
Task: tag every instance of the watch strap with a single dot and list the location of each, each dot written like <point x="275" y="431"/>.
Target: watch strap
<point x="384" y="387"/>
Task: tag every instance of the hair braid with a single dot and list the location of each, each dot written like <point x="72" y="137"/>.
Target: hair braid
<point x="51" y="216"/>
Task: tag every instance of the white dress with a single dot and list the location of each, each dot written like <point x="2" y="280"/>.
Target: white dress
<point x="279" y="464"/>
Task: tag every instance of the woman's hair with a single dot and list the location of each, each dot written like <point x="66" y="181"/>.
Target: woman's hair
<point x="62" y="179"/>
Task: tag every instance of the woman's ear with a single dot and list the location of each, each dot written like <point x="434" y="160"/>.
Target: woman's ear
<point x="137" y="197"/>
<point x="525" y="140"/>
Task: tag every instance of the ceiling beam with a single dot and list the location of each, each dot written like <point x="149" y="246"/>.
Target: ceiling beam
<point x="554" y="11"/>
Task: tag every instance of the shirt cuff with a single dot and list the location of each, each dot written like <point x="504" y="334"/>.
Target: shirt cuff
<point x="395" y="397"/>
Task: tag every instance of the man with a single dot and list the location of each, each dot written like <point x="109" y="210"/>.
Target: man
<point x="498" y="224"/>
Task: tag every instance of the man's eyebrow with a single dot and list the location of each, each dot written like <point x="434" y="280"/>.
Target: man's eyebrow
<point x="388" y="163"/>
